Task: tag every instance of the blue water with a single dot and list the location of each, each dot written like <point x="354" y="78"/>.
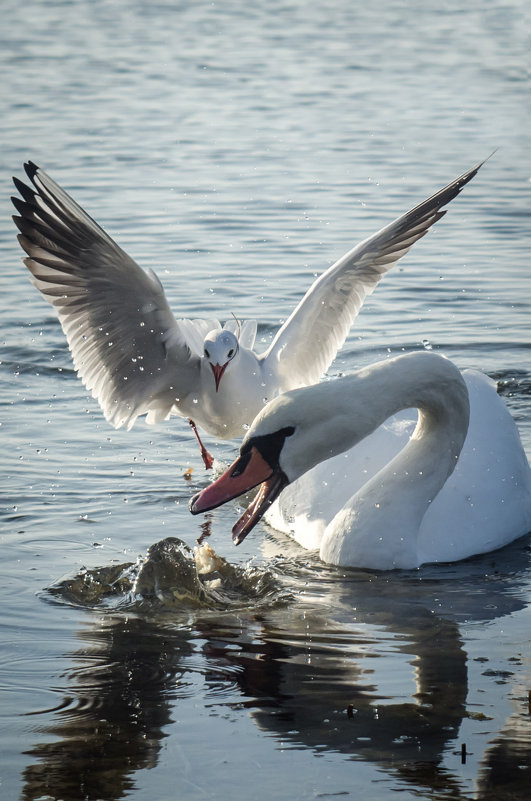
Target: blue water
<point x="238" y="150"/>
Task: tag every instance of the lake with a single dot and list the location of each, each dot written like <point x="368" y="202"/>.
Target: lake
<point x="238" y="150"/>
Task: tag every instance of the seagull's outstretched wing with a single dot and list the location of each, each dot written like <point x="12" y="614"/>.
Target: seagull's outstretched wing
<point x="127" y="346"/>
<point x="307" y="343"/>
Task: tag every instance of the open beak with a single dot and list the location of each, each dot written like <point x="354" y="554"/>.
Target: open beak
<point x="247" y="472"/>
<point x="218" y="371"/>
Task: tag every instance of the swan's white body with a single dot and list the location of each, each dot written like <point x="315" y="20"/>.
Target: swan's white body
<point x="137" y="358"/>
<point x="484" y="504"/>
<point x="435" y="489"/>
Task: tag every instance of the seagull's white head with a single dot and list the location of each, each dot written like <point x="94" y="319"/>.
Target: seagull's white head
<point x="219" y="349"/>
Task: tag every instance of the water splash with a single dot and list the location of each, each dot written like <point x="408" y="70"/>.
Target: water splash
<point x="173" y="576"/>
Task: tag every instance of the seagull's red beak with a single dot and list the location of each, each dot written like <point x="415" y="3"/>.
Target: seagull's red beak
<point x="218" y="371"/>
<point x="245" y="473"/>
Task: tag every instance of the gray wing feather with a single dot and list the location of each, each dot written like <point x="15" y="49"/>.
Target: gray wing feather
<point x="309" y="340"/>
<point x="126" y="344"/>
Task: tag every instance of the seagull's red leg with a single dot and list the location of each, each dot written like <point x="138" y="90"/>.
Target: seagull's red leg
<point x="208" y="461"/>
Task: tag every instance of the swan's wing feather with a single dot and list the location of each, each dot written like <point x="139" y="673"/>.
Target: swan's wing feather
<point x="307" y="343"/>
<point x="126" y="344"/>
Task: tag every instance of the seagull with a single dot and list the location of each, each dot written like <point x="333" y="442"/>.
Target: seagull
<point x="137" y="358"/>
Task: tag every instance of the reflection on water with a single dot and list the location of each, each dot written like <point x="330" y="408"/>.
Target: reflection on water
<point x="123" y="682"/>
<point x="306" y="674"/>
<point x="506" y="772"/>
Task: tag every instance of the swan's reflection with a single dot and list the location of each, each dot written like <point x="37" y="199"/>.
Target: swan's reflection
<point x="307" y="684"/>
<point x="506" y="770"/>
<point x="306" y="672"/>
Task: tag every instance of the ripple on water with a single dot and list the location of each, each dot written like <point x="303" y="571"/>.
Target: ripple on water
<point x="514" y="381"/>
<point x="24" y="679"/>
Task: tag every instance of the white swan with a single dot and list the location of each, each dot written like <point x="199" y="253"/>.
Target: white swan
<point x="452" y="491"/>
<point x="137" y="358"/>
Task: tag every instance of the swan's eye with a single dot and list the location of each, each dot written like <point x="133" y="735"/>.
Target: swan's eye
<point x="207" y="354"/>
<point x="230" y="354"/>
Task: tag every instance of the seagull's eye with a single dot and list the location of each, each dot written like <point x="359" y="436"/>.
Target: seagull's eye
<point x="207" y="354"/>
<point x="230" y="354"/>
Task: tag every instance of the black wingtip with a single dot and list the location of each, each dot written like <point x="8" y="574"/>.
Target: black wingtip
<point x="19" y="204"/>
<point x="451" y="191"/>
<point x="19" y="186"/>
<point x="31" y="169"/>
<point x="471" y="173"/>
<point x="19" y="221"/>
<point x="25" y="191"/>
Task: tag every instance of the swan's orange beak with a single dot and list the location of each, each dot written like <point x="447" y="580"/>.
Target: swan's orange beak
<point x="244" y="474"/>
<point x="218" y="370"/>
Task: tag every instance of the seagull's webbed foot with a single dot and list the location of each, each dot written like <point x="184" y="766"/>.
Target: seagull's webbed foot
<point x="208" y="460"/>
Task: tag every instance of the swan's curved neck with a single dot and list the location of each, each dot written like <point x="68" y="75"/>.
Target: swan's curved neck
<point x="390" y="507"/>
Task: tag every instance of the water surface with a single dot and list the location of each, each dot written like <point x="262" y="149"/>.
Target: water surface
<point x="238" y="151"/>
